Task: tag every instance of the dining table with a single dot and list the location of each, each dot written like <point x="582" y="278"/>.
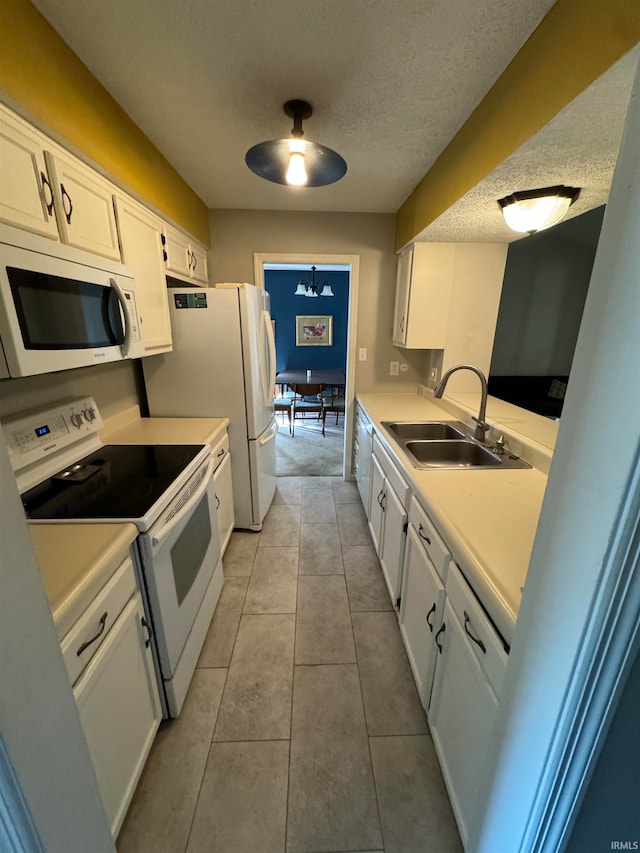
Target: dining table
<point x="335" y="378"/>
<point x="327" y="378"/>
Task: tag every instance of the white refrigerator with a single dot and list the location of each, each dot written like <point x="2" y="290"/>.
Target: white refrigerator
<point x="223" y="365"/>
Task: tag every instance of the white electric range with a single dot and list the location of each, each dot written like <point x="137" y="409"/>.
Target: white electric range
<point x="66" y="474"/>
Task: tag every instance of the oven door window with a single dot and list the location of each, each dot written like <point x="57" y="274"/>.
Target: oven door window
<point x="56" y="313"/>
<point x="190" y="549"/>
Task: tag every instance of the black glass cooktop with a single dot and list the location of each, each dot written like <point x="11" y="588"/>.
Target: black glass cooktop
<point x="120" y="481"/>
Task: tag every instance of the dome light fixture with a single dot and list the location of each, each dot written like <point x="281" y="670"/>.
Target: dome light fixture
<point x="530" y="211"/>
<point x="296" y="162"/>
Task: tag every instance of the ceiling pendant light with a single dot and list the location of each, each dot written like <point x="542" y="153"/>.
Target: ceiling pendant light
<point x="296" y="162"/>
<point x="530" y="211"/>
<point x="306" y="289"/>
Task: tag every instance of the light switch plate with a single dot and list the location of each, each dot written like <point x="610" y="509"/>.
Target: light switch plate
<point x="434" y="374"/>
<point x="394" y="368"/>
<point x="362" y="354"/>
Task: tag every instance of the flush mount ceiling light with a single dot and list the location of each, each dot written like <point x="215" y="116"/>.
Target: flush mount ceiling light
<point x="296" y="162"/>
<point x="306" y="289"/>
<point x="533" y="210"/>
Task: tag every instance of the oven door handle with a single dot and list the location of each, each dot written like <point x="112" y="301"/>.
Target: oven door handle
<point x="186" y="509"/>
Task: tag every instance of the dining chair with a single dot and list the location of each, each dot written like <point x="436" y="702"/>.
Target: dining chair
<point x="282" y="403"/>
<point x="332" y="402"/>
<point x="307" y="399"/>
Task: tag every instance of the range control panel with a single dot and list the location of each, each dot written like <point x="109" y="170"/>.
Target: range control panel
<point x="33" y="435"/>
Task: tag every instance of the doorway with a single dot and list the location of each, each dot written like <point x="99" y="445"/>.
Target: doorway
<point x="298" y="266"/>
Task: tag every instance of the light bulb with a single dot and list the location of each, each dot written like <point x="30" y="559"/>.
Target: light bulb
<point x="535" y="214"/>
<point x="296" y="173"/>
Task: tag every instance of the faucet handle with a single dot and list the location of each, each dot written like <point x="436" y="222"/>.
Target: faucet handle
<point x="483" y="425"/>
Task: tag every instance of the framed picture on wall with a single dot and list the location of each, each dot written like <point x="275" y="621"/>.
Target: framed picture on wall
<point x="314" y="331"/>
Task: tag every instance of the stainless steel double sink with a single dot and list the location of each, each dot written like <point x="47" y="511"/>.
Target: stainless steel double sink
<point x="447" y="444"/>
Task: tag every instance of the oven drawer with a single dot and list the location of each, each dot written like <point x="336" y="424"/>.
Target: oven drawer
<point x="220" y="451"/>
<point x="95" y="623"/>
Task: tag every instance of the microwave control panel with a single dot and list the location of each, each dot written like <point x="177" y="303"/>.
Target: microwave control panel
<point x="34" y="435"/>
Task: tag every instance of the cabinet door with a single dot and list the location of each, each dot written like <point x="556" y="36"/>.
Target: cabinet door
<point x="177" y="256"/>
<point x="198" y="263"/>
<point x="363" y="472"/>
<point x="403" y="284"/>
<point x="118" y="702"/>
<point x="393" y="541"/>
<point x="84" y="205"/>
<point x="224" y="493"/>
<point x="421" y="609"/>
<point x="376" y="515"/>
<point x="140" y="234"/>
<point x="26" y="196"/>
<point x="461" y="717"/>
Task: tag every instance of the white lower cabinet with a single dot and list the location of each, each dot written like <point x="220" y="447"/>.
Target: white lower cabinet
<point x="388" y="518"/>
<point x="118" y="703"/>
<point x="421" y="611"/>
<point x="468" y="677"/>
<point x="223" y="482"/>
<point x="363" y="445"/>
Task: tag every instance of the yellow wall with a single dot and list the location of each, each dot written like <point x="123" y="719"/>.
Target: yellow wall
<point x="39" y="71"/>
<point x="575" y="43"/>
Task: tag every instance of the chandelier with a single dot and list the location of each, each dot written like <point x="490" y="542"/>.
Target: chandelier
<point x="306" y="289"/>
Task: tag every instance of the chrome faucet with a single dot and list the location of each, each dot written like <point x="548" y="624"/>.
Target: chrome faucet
<point x="482" y="425"/>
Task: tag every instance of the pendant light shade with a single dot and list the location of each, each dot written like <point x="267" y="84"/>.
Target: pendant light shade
<point x="296" y="162"/>
<point x="530" y="211"/>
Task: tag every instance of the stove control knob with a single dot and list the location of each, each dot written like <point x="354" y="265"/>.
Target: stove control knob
<point x="76" y="420"/>
<point x="89" y="414"/>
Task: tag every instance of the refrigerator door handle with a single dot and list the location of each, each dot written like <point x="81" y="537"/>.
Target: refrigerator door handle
<point x="269" y="376"/>
<point x="270" y="435"/>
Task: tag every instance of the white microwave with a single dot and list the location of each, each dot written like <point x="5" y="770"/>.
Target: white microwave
<point x="62" y="307"/>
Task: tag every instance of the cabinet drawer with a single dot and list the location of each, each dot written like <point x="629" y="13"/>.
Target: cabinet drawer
<point x="220" y="450"/>
<point x="478" y="629"/>
<point x="438" y="552"/>
<point x="391" y="472"/>
<point x="97" y="620"/>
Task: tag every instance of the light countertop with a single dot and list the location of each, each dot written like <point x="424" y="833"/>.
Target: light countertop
<point x="76" y="561"/>
<point x="488" y="518"/>
<point x="130" y="428"/>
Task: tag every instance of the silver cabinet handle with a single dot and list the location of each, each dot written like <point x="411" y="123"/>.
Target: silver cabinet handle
<point x="478" y="642"/>
<point x="103" y="622"/>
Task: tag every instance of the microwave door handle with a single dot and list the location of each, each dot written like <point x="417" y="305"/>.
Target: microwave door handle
<point x="126" y="344"/>
<point x="157" y="540"/>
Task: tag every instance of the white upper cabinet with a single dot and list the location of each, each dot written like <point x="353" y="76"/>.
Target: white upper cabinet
<point x="84" y="205"/>
<point x="184" y="257"/>
<point x="26" y="197"/>
<point x="423" y="292"/>
<point x="447" y="297"/>
<point x="141" y="243"/>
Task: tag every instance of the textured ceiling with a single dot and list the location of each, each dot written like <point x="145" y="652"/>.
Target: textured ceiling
<point x="390" y="83"/>
<point x="577" y="148"/>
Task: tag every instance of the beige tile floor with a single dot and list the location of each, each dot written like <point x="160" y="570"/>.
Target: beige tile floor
<point x="302" y="731"/>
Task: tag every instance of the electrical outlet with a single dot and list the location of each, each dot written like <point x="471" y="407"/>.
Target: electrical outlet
<point x="362" y="353"/>
<point x="403" y="367"/>
<point x="394" y="368"/>
<point x="434" y="374"/>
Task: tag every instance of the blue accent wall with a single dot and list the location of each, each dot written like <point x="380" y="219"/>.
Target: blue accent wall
<point x="285" y="306"/>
